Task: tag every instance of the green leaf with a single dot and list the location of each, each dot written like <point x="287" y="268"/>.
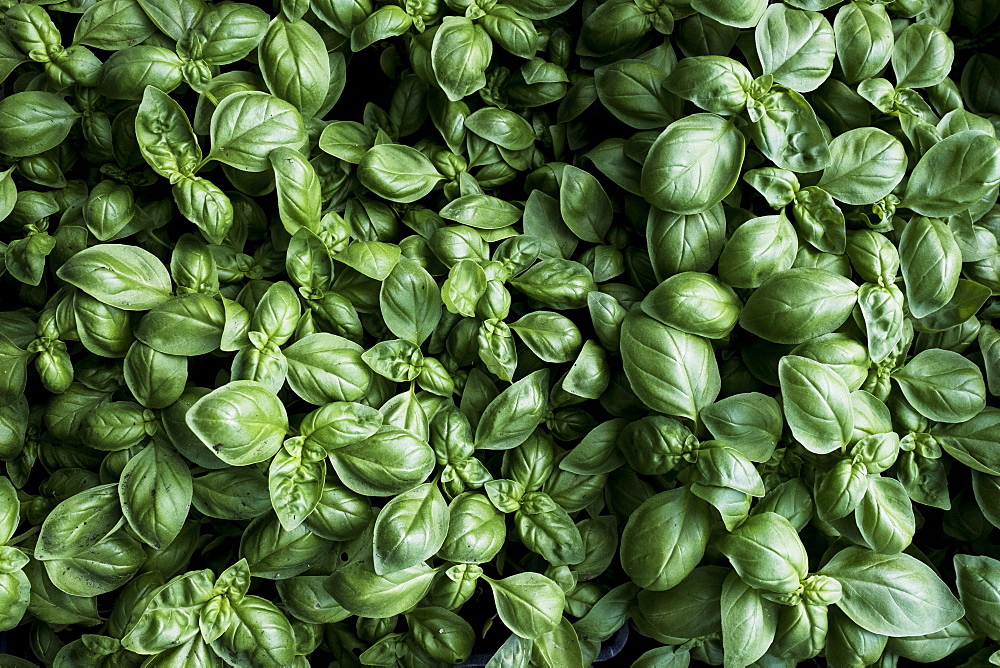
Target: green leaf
<point x="693" y="164"/>
<point x="155" y="491"/>
<point x="460" y="54"/>
<point x="79" y="523"/>
<point x="864" y="38"/>
<point x="866" y="165"/>
<point x="387" y="463"/>
<point x="978" y="580"/>
<point x="171" y="615"/>
<point x="398" y="173"/>
<point x="374" y="259"/>
<point x="817" y="404"/>
<point x="347" y="140"/>
<point x="33" y="122"/>
<point x="971" y="441"/>
<point x="306" y="599"/>
<point x="234" y="493"/>
<point x="385" y="22"/>
<point x="695" y="303"/>
<point x="547" y="529"/>
<point x="715" y="83"/>
<point x="165" y="136"/>
<point x="841" y="490"/>
<point x="113" y="24"/>
<point x="100" y="569"/>
<point x="767" y="553"/>
<point x="260" y="635"/>
<point x="529" y="604"/>
<point x="476" y="530"/>
<point x="411" y="302"/>
<point x="511" y="417"/>
<point x="340" y="423"/>
<point x="922" y="56"/>
<point x="670" y="371"/>
<point x="687" y="611"/>
<point x="557" y="283"/>
<point x="483" y="212"/>
<point x="15" y="596"/>
<point x="226" y="33"/>
<point x="410" y="529"/>
<point x="758" y="250"/>
<point x="788" y="132"/>
<point x="931" y="261"/>
<point x="322" y="369"/>
<point x="738" y="15"/>
<point x="274" y="553"/>
<point x="798" y="305"/>
<point x="54" y="606"/>
<point x="188" y="325"/>
<point x="885" y="516"/>
<point x="881" y="591"/>
<point x="954" y="174"/>
<point x="502" y="127"/>
<point x="552" y="337"/>
<point x="173" y="17"/>
<point x="665" y="539"/>
<point x="10" y="517"/>
<point x="363" y="592"/>
<point x="294" y="63"/>
<point x="242" y="422"/>
<point x="442" y="634"/>
<point x="299" y="190"/>
<point x="200" y="201"/>
<point x="943" y="385"/>
<point x="247" y="126"/>
<point x="559" y="647"/>
<point x="630" y="89"/>
<point x="295" y="481"/>
<point x="749" y="422"/>
<point x="749" y="622"/>
<point x="125" y="277"/>
<point x="796" y="47"/>
<point x="583" y="204"/>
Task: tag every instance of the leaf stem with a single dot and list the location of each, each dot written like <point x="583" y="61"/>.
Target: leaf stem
<point x="27" y="534"/>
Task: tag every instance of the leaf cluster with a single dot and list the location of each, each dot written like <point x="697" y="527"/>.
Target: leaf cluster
<point x="337" y="332"/>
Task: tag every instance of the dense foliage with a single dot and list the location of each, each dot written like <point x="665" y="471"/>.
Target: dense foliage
<point x="353" y="334"/>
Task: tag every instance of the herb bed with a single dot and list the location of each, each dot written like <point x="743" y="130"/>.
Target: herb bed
<point x="432" y="333"/>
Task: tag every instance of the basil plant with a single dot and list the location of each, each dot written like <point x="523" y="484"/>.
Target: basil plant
<point x="408" y="333"/>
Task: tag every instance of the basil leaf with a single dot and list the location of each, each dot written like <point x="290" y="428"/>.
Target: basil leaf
<point x="295" y="65"/>
<point x="953" y="174"/>
<point x="122" y="276"/>
<point x="361" y="591"/>
<point x="796" y="47"/>
<point x="866" y="165"/>
<point x="817" y="404"/>
<point x="529" y="604"/>
<point x="943" y="386"/>
<point x="398" y="173"/>
<point x="511" y="417"/>
<point x="242" y="422"/>
<point x="798" y="305"/>
<point x="693" y="164"/>
<point x="664" y="539"/>
<point x="33" y="122"/>
<point x="155" y="491"/>
<point x="670" y="371"/>
<point x="247" y="126"/>
<point x="460" y="53"/>
<point x="410" y="529"/>
<point x="880" y="589"/>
